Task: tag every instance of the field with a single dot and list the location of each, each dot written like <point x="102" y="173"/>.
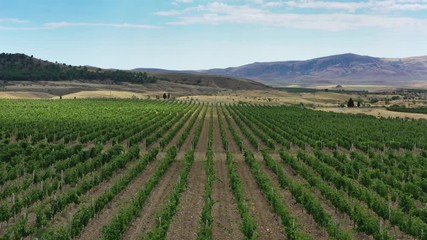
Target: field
<point x="154" y="169"/>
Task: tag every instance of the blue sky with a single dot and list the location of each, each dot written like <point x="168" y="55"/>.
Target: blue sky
<point x="201" y="34"/>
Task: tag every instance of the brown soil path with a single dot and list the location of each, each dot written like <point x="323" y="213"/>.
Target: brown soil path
<point x="226" y="218"/>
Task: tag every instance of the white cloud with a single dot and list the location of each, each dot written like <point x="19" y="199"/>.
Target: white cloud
<point x="168" y="13"/>
<point x="351" y="6"/>
<point x="178" y="2"/>
<point x="218" y="13"/>
<point x="12" y="20"/>
<point x="55" y="25"/>
<point x="88" y="24"/>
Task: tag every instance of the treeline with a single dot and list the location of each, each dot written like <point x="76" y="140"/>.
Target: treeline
<point x="396" y="108"/>
<point x="20" y="67"/>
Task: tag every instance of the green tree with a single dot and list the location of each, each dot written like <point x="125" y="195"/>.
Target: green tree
<point x="350" y="103"/>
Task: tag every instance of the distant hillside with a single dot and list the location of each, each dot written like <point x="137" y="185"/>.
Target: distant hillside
<point x="337" y="69"/>
<point x="211" y="81"/>
<point x="20" y="67"/>
<point x="160" y="70"/>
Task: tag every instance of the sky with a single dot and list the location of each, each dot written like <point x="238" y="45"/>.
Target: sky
<point x="203" y="34"/>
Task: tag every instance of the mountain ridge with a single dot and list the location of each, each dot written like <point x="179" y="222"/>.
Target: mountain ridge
<point x="347" y="68"/>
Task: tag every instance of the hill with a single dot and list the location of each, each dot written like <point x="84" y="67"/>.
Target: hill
<point x="20" y="67"/>
<point x="31" y="77"/>
<point x="337" y="69"/>
<point x="212" y="81"/>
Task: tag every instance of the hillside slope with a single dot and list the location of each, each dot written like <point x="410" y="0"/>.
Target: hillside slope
<point x="22" y="73"/>
<point x="212" y="81"/>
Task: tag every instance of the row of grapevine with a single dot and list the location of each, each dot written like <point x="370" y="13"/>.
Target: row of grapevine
<point x="360" y="216"/>
<point x="232" y="130"/>
<point x="410" y="225"/>
<point x="303" y="196"/>
<point x="165" y="214"/>
<point x="245" y="130"/>
<point x="171" y="134"/>
<point x="82" y="217"/>
<point x="407" y="198"/>
<point x="275" y="199"/>
<point x="20" y="185"/>
<point x="248" y="226"/>
<point x="59" y="201"/>
<point x="128" y="212"/>
<point x="248" y="222"/>
<point x="265" y="138"/>
<point x="266" y="126"/>
<point x="205" y="230"/>
<point x="187" y="130"/>
<point x="46" y="212"/>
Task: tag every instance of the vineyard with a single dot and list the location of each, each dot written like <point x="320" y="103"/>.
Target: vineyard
<point x="151" y="169"/>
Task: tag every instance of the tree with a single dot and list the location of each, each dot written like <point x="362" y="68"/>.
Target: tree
<point x="164" y="96"/>
<point x="350" y="103"/>
<point x="169" y="95"/>
<point x="358" y="103"/>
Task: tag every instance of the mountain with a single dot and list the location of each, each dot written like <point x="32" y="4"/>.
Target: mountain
<point x="338" y="69"/>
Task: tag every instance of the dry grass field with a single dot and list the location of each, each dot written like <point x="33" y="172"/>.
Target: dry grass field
<point x="321" y="100"/>
<point x="273" y="97"/>
<point x="377" y="112"/>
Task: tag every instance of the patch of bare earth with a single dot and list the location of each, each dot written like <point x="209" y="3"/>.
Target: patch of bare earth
<point x="376" y="112"/>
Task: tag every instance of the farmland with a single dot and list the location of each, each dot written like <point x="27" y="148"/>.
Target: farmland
<point x="152" y="169"/>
